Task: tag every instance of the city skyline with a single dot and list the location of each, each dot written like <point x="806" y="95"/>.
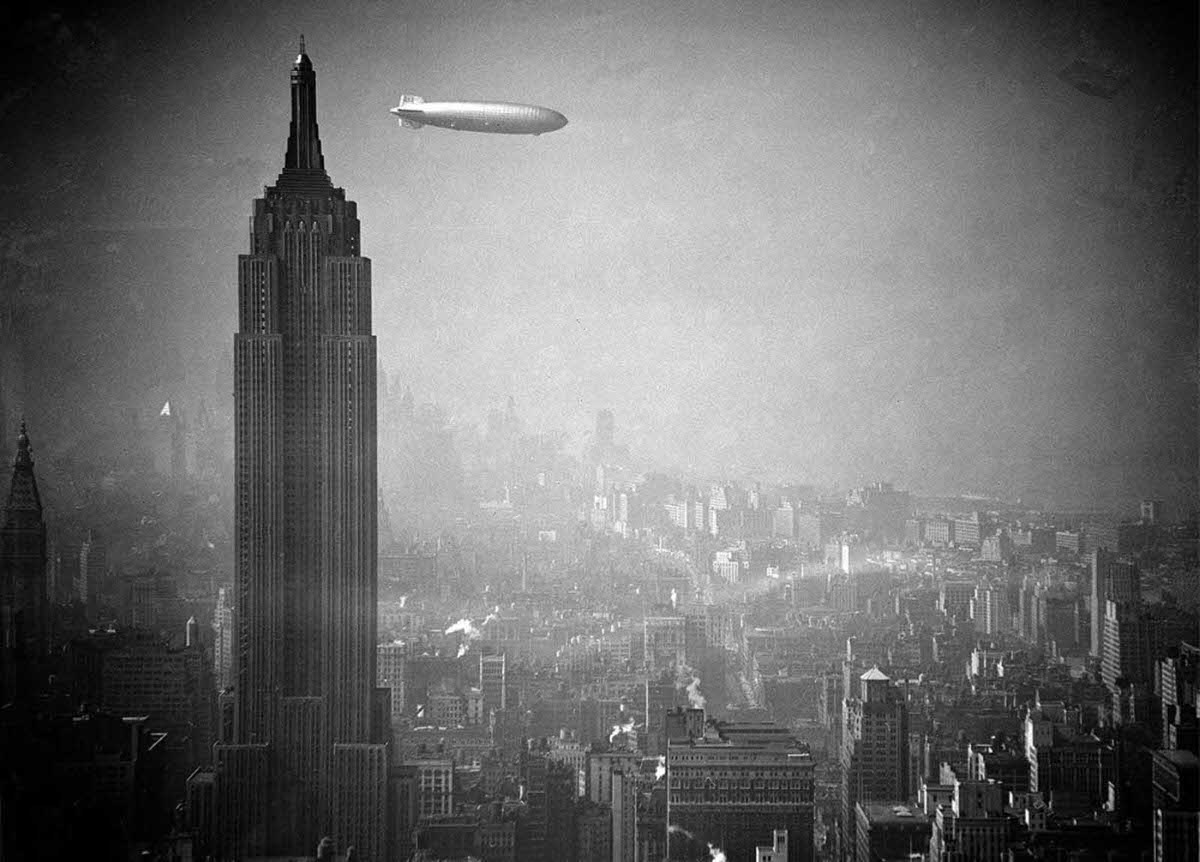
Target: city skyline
<point x="829" y="245"/>
<point x="793" y="457"/>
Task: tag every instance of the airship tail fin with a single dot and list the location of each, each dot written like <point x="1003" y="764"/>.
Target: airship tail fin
<point x="410" y="124"/>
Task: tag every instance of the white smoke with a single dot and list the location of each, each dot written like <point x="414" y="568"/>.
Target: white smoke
<point x="462" y="649"/>
<point x="695" y="698"/>
<point x="661" y="769"/>
<point x="403" y="601"/>
<point x="621" y="728"/>
<point x="674" y="599"/>
<point x="717" y="854"/>
<point x="466" y="627"/>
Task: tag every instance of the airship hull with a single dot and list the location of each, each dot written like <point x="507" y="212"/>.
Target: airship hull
<point x="501" y="118"/>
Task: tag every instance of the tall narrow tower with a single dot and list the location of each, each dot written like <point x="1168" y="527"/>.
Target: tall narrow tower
<point x="305" y="452"/>
<point x="1113" y="577"/>
<point x="24" y="620"/>
<point x="874" y="753"/>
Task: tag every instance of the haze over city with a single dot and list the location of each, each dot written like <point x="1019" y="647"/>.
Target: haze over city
<point x="828" y="242"/>
<point x="630" y="432"/>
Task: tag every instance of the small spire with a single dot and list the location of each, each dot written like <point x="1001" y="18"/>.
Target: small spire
<point x="302" y="61"/>
<point x="23" y="455"/>
<point x="304" y="144"/>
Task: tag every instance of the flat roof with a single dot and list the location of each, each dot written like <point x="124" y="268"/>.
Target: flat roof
<point x="893" y="813"/>
<point x="1180" y="757"/>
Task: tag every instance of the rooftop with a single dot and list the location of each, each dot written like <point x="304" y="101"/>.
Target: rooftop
<point x="1180" y="757"/>
<point x="894" y="813"/>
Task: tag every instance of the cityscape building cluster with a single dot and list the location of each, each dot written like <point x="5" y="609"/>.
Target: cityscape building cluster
<point x="587" y="659"/>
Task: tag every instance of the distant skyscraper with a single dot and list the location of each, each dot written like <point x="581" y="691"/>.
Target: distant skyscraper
<point x="1124" y="658"/>
<point x="389" y="674"/>
<point x="1151" y="511"/>
<point x="307" y="759"/>
<point x="24" y="610"/>
<point x="93" y="565"/>
<point x="222" y="625"/>
<point x="875" y="758"/>
<point x="169" y="441"/>
<point x="989" y="609"/>
<point x="493" y="682"/>
<point x="1112" y="578"/>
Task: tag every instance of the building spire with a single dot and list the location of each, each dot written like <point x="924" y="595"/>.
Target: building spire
<point x="24" y="456"/>
<point x="304" y="144"/>
<point x="23" y="498"/>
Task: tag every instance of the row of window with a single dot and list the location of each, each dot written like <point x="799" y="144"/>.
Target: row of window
<point x="755" y="784"/>
<point x="755" y="799"/>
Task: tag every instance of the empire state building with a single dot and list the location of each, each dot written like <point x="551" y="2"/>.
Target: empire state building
<point x="308" y="757"/>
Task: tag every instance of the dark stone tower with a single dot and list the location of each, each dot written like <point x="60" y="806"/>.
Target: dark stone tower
<point x="24" y="610"/>
<point x="306" y="522"/>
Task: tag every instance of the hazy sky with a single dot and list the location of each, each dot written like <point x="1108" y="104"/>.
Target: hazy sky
<point x="834" y="241"/>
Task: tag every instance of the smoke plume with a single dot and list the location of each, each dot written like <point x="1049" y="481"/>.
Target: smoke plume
<point x="621" y="728"/>
<point x="466" y="627"/>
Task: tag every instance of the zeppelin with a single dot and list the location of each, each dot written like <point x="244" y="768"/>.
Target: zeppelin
<point x="501" y="118"/>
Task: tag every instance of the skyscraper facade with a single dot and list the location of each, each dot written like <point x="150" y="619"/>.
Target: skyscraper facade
<point x="222" y="626"/>
<point x="1112" y="578"/>
<point x="875" y="756"/>
<point x="493" y="682"/>
<point x="24" y="619"/>
<point x="306" y="527"/>
<point x="730" y="786"/>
